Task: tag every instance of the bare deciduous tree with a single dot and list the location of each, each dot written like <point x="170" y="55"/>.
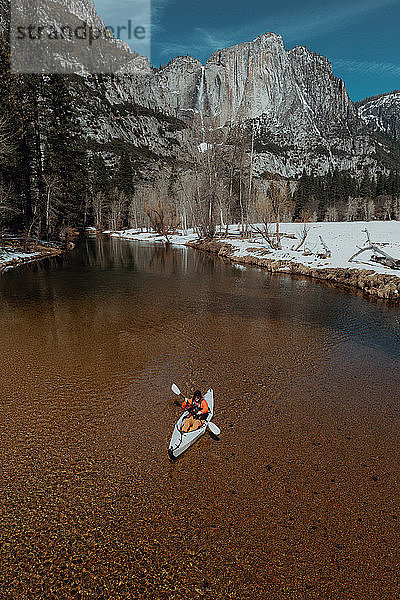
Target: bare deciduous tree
<point x="352" y="208"/>
<point x="368" y="209"/>
<point x="5" y="138"/>
<point x="98" y="205"/>
<point x="33" y="225"/>
<point x="331" y="213"/>
<point x="161" y="220"/>
<point x="53" y="192"/>
<point x="271" y="205"/>
<point x="396" y="208"/>
<point x="303" y="236"/>
<point x="386" y="202"/>
<point x="6" y="206"/>
<point x="278" y="202"/>
<point x="117" y="208"/>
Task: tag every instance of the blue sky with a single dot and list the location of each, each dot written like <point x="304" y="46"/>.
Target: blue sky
<point x="360" y="37"/>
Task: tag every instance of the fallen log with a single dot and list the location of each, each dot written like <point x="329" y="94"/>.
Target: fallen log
<point x="384" y="258"/>
<point x="328" y="253"/>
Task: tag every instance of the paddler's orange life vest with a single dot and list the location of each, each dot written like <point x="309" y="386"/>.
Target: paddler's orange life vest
<point x="203" y="406"/>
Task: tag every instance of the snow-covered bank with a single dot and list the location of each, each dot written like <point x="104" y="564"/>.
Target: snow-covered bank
<point x="13" y="256"/>
<point x="342" y="239"/>
<point x="326" y="258"/>
<point x="177" y="239"/>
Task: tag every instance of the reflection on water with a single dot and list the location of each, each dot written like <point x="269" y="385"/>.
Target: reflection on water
<point x="303" y="375"/>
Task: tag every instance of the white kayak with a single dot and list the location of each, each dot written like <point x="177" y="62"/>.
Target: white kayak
<point x="182" y="441"/>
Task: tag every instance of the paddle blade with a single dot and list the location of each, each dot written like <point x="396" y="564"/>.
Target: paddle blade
<point x="175" y="389"/>
<point x="213" y="428"/>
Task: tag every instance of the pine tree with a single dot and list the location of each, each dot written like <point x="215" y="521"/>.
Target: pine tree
<point x="100" y="176"/>
<point x="302" y="195"/>
<point x="125" y="175"/>
<point x="381" y="184"/>
<point x="366" y="187"/>
<point x="66" y="152"/>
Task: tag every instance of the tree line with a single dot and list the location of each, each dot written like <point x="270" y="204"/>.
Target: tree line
<point x="337" y="196"/>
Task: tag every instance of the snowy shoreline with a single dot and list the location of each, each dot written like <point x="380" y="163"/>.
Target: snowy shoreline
<point x="342" y="240"/>
<point x="13" y="256"/>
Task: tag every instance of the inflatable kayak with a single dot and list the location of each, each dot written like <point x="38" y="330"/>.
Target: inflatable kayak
<point x="182" y="441"/>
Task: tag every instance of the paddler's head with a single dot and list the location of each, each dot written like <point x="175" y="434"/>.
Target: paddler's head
<point x="197" y="396"/>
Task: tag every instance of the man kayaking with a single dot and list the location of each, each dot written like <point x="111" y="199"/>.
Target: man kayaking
<point x="198" y="409"/>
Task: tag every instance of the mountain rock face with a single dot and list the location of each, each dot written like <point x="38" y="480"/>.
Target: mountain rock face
<point x="382" y="114"/>
<point x="112" y="123"/>
<point x="73" y="39"/>
<point x="302" y="115"/>
<point x="299" y="113"/>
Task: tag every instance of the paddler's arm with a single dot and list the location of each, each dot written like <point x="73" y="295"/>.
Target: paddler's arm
<point x="204" y="408"/>
<point x="185" y="404"/>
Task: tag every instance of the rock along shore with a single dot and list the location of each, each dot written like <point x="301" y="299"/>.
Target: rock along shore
<point x="374" y="284"/>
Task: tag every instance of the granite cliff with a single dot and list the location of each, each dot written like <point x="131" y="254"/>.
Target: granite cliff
<point x="382" y="114"/>
<point x="300" y="114"/>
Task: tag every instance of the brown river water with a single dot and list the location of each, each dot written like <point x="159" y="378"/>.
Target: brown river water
<point x="299" y="498"/>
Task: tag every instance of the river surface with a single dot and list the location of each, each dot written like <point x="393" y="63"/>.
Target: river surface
<point x="299" y="499"/>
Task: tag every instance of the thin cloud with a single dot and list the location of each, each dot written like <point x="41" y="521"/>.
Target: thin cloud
<point x="366" y="67"/>
<point x="326" y="20"/>
<point x="157" y="11"/>
<point x="202" y="42"/>
<point x="211" y="40"/>
<point x="171" y="49"/>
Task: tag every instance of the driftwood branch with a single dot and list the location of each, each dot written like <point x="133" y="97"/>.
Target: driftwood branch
<point x="360" y="251"/>
<point x="385" y="258"/>
<point x="368" y="236"/>
<point x="325" y="247"/>
<point x="304" y="233"/>
<point x="265" y="234"/>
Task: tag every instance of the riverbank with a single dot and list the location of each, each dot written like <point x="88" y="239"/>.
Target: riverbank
<point x="324" y="255"/>
<point x="383" y="286"/>
<point x="13" y="253"/>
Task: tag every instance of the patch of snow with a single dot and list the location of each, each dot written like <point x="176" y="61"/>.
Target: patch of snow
<point x="203" y="147"/>
<point x="178" y="239"/>
<point x="7" y="257"/>
<point x="343" y="240"/>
